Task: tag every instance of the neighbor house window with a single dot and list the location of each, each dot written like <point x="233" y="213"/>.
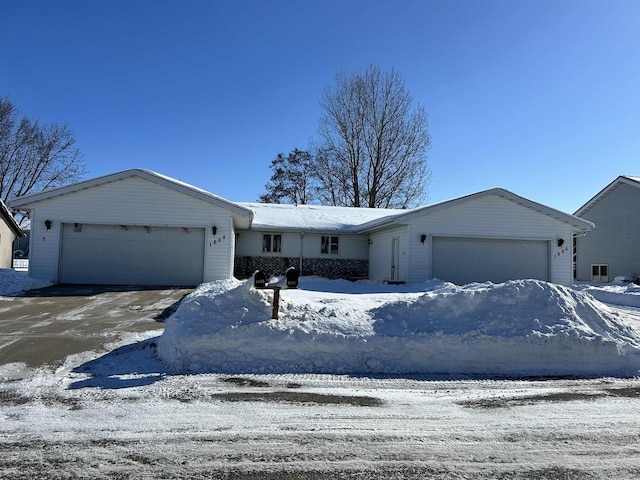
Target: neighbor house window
<point x="271" y="243"/>
<point x="329" y="245"/>
<point x="599" y="273"/>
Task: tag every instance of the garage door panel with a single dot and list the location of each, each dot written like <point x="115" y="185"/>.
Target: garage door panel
<point x="467" y="260"/>
<point x="112" y="254"/>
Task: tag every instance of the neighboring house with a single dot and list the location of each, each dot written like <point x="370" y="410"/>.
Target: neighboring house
<point x="140" y="227"/>
<point x="613" y="248"/>
<point x="9" y="231"/>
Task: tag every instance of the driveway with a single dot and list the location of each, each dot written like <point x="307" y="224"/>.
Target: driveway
<point x="45" y="326"/>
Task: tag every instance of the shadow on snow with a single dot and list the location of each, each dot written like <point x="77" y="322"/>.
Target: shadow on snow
<point x="133" y="365"/>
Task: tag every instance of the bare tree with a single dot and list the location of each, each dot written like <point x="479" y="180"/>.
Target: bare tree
<point x="292" y="180"/>
<point x="33" y="156"/>
<point x="372" y="144"/>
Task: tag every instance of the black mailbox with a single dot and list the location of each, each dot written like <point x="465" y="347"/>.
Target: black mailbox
<point x="292" y="277"/>
<point x="259" y="279"/>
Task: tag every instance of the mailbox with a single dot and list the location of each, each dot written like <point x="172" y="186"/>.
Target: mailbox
<point x="292" y="277"/>
<point x="260" y="279"/>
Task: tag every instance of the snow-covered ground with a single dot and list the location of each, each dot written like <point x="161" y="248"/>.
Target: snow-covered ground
<point x="627" y="294"/>
<point x="12" y="282"/>
<point x="127" y="414"/>
<point x="123" y="416"/>
<point x="523" y="327"/>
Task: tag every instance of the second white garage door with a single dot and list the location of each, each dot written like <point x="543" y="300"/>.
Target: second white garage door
<point x="128" y="255"/>
<point x="467" y="260"/>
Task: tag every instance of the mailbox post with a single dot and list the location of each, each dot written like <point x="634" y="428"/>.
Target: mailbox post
<point x="276" y="302"/>
<point x="260" y="282"/>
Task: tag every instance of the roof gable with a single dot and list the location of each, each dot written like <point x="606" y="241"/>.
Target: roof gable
<point x="406" y="216"/>
<point x="602" y="194"/>
<point x="149" y="175"/>
<point x="9" y="220"/>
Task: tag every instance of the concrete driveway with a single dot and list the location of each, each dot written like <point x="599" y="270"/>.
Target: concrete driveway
<point x="45" y="326"/>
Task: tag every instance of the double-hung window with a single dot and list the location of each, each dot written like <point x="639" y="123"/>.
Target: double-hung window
<point x="271" y="243"/>
<point x="329" y="245"/>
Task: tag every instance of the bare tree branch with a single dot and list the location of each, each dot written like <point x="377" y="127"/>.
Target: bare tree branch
<point x="374" y="145"/>
<point x="33" y="156"/>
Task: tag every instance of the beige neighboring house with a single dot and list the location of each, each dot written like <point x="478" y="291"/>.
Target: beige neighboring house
<point x="613" y="248"/>
<point x="9" y="231"/>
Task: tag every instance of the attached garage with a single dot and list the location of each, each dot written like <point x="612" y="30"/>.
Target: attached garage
<point x="135" y="227"/>
<point x="466" y="260"/>
<point x="131" y="255"/>
<point x="494" y="235"/>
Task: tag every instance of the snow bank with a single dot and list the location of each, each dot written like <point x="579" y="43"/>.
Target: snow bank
<point x="12" y="282"/>
<point x="523" y="327"/>
<point x="627" y="294"/>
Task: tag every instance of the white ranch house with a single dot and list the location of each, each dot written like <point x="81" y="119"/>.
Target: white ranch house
<point x="139" y="227"/>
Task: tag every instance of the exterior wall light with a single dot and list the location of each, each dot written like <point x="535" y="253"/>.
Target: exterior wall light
<point x="214" y="230"/>
<point x="560" y="242"/>
<point x="47" y="224"/>
<point x="423" y="237"/>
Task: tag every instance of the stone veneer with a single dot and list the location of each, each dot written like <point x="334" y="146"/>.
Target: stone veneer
<point x="322" y="267"/>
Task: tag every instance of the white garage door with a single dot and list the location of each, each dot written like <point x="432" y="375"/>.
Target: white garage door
<point x="467" y="260"/>
<point x="126" y="255"/>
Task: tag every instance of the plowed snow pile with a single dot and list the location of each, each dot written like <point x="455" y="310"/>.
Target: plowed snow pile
<point x="524" y="327"/>
<point x="12" y="282"/>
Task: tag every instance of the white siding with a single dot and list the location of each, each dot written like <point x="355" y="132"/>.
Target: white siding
<point x="249" y="244"/>
<point x="132" y="201"/>
<point x="380" y="254"/>
<point x="490" y="217"/>
<point x="350" y="247"/>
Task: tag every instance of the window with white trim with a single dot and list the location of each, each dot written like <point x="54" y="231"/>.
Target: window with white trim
<point x="600" y="273"/>
<point x="329" y="245"/>
<point x="271" y="243"/>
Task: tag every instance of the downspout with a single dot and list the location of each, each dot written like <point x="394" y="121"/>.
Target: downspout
<point x="232" y="247"/>
<point x="301" y="250"/>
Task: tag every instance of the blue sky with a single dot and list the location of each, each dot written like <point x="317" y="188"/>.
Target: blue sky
<point x="539" y="97"/>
